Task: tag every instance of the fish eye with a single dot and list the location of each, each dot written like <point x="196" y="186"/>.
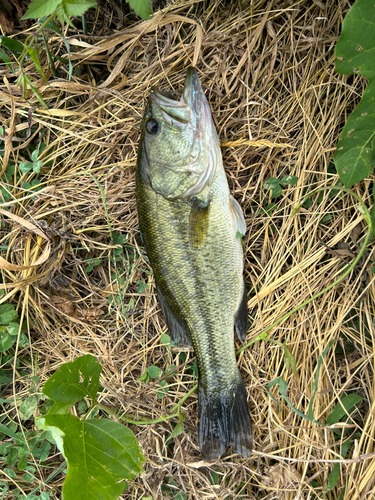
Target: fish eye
<point x="152" y="126"/>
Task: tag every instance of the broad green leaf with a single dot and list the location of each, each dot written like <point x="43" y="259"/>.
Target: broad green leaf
<point x="28" y="407"/>
<point x="289" y="180"/>
<point x="141" y="286"/>
<point x="41" y="8"/>
<point x="75" y="8"/>
<point x="342" y="409"/>
<point x="12" y="45"/>
<point x="333" y="477"/>
<point x="62" y="16"/>
<point x="22" y="463"/>
<point x="355" y="49"/>
<point x="12" y="457"/>
<point x="165" y="339"/>
<point x="179" y="429"/>
<point x="5" y="448"/>
<point x="145" y="377"/>
<point x="13" y="329"/>
<point x="155" y="372"/>
<point x="355" y="53"/>
<point x="99" y="454"/>
<point x="275" y="193"/>
<point x="141" y="7"/>
<point x="25" y="166"/>
<point x="74" y="381"/>
<point x="7" y="314"/>
<point x="34" y="155"/>
<point x="271" y="184"/>
<point x="170" y="369"/>
<point x="37" y="166"/>
<point x="6" y="341"/>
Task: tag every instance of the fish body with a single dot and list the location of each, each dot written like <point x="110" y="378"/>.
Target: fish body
<point x="189" y="224"/>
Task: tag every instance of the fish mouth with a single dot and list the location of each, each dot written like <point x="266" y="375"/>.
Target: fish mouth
<point x="180" y="112"/>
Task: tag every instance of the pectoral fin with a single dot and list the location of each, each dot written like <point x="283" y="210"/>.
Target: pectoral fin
<point x="237" y="214"/>
<point x="176" y="326"/>
<point x="198" y="223"/>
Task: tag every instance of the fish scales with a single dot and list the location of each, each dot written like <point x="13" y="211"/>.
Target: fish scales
<point x="189" y="233"/>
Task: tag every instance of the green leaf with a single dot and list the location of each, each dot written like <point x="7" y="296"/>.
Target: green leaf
<point x="355" y="48"/>
<point x="74" y="381"/>
<point x="62" y="15"/>
<point x="12" y="457"/>
<point x="99" y="454"/>
<point x="271" y="184"/>
<point x="25" y="166"/>
<point x="372" y="212"/>
<point x="10" y="473"/>
<point x="141" y="7"/>
<point x="75" y="8"/>
<point x="41" y="8"/>
<point x="355" y="52"/>
<point x="145" y="377"/>
<point x="22" y="463"/>
<point x="33" y="53"/>
<point x="6" y="59"/>
<point x="12" y="45"/>
<point x="5" y="448"/>
<point x="179" y="429"/>
<point x="43" y="451"/>
<point x="7" y="314"/>
<point x="28" y="407"/>
<point x="34" y="155"/>
<point x="343" y="408"/>
<point x="354" y="155"/>
<point x="333" y="477"/>
<point x="275" y="193"/>
<point x="13" y="329"/>
<point x="6" y="341"/>
<point x="155" y="372"/>
<point x="52" y="26"/>
<point x="289" y="359"/>
<point x="170" y="369"/>
<point x="8" y="431"/>
<point x="141" y="286"/>
<point x="165" y="339"/>
<point x="316" y="378"/>
<point x="289" y="180"/>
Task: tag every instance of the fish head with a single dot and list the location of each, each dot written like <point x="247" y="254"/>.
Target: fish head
<point x="179" y="147"/>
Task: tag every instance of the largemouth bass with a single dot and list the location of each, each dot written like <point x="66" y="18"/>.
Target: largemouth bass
<point x="189" y="224"/>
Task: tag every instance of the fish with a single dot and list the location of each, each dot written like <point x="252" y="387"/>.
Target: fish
<point x="191" y="228"/>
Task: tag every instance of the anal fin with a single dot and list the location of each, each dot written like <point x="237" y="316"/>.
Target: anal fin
<point x="240" y="318"/>
<point x="176" y="326"/>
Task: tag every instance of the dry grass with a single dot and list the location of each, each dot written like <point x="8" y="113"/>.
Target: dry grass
<point x="279" y="106"/>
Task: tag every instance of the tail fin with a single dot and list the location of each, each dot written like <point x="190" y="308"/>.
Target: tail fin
<point x="224" y="419"/>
